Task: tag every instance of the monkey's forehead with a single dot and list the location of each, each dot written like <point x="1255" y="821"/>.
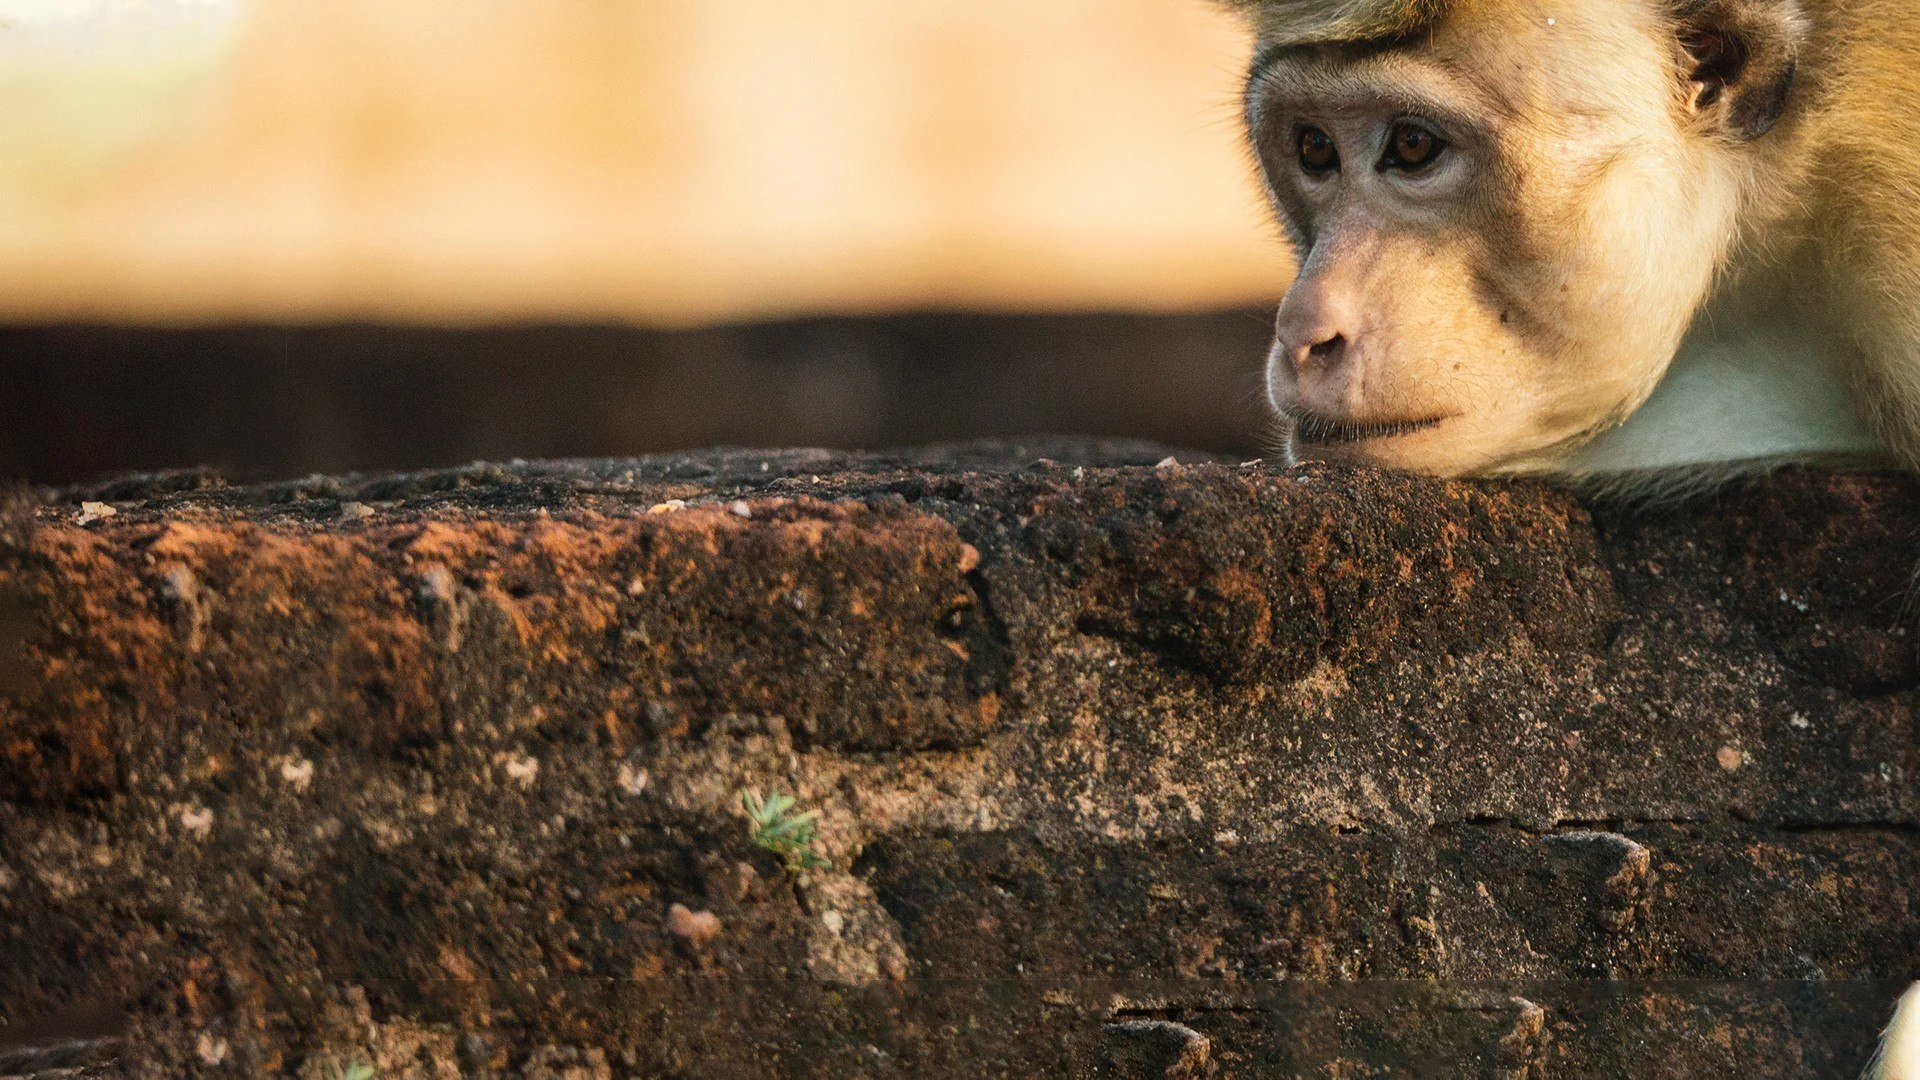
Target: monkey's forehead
<point x="1283" y="23"/>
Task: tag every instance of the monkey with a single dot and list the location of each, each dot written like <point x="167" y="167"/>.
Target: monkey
<point x="1899" y="1055"/>
<point x="1638" y="245"/>
<point x="1593" y="239"/>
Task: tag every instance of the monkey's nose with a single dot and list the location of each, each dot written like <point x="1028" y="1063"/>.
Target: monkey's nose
<point x="1313" y="327"/>
<point x="1317" y="353"/>
<point x="1324" y="354"/>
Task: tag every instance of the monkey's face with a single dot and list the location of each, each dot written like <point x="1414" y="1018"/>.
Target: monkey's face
<point x="1504" y="226"/>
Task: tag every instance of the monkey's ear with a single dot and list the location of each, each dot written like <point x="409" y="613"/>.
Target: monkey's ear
<point x="1739" y="58"/>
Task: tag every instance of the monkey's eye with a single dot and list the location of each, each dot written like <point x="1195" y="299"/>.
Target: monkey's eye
<point x="1411" y="147"/>
<point x="1317" y="152"/>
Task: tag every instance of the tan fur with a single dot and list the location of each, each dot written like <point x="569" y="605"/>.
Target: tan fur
<point x="1289" y="22"/>
<point x="1862" y="198"/>
<point x="1616" y="198"/>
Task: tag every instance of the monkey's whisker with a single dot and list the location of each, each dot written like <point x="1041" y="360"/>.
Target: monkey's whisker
<point x="1311" y="427"/>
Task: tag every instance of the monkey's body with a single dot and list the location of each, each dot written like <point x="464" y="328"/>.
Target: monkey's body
<point x="1641" y="244"/>
<point x="1809" y="346"/>
<point x="1751" y="387"/>
<point x="1861" y="198"/>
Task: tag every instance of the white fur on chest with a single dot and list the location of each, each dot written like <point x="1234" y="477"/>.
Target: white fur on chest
<point x="1746" y="392"/>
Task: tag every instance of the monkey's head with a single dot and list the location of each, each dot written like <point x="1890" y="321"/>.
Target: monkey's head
<point x="1506" y="212"/>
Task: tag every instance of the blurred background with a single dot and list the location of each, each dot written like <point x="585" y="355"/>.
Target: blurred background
<point x="287" y="236"/>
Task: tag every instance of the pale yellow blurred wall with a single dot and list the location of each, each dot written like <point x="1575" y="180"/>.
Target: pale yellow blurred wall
<point x="660" y="161"/>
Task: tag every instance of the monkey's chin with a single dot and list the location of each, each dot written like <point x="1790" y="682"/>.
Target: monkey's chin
<point x="1430" y="444"/>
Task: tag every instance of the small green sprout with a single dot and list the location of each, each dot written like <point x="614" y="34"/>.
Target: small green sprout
<point x="354" y="1071"/>
<point x="773" y="827"/>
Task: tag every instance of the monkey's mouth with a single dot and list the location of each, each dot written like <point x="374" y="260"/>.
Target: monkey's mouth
<point x="1317" y="430"/>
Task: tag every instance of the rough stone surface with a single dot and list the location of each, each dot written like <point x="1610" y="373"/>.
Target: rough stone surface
<point x="1121" y="770"/>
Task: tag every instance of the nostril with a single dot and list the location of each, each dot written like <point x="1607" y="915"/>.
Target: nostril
<point x="1328" y="351"/>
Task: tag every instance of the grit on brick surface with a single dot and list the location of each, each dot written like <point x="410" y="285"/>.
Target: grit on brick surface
<point x="1122" y="770"/>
